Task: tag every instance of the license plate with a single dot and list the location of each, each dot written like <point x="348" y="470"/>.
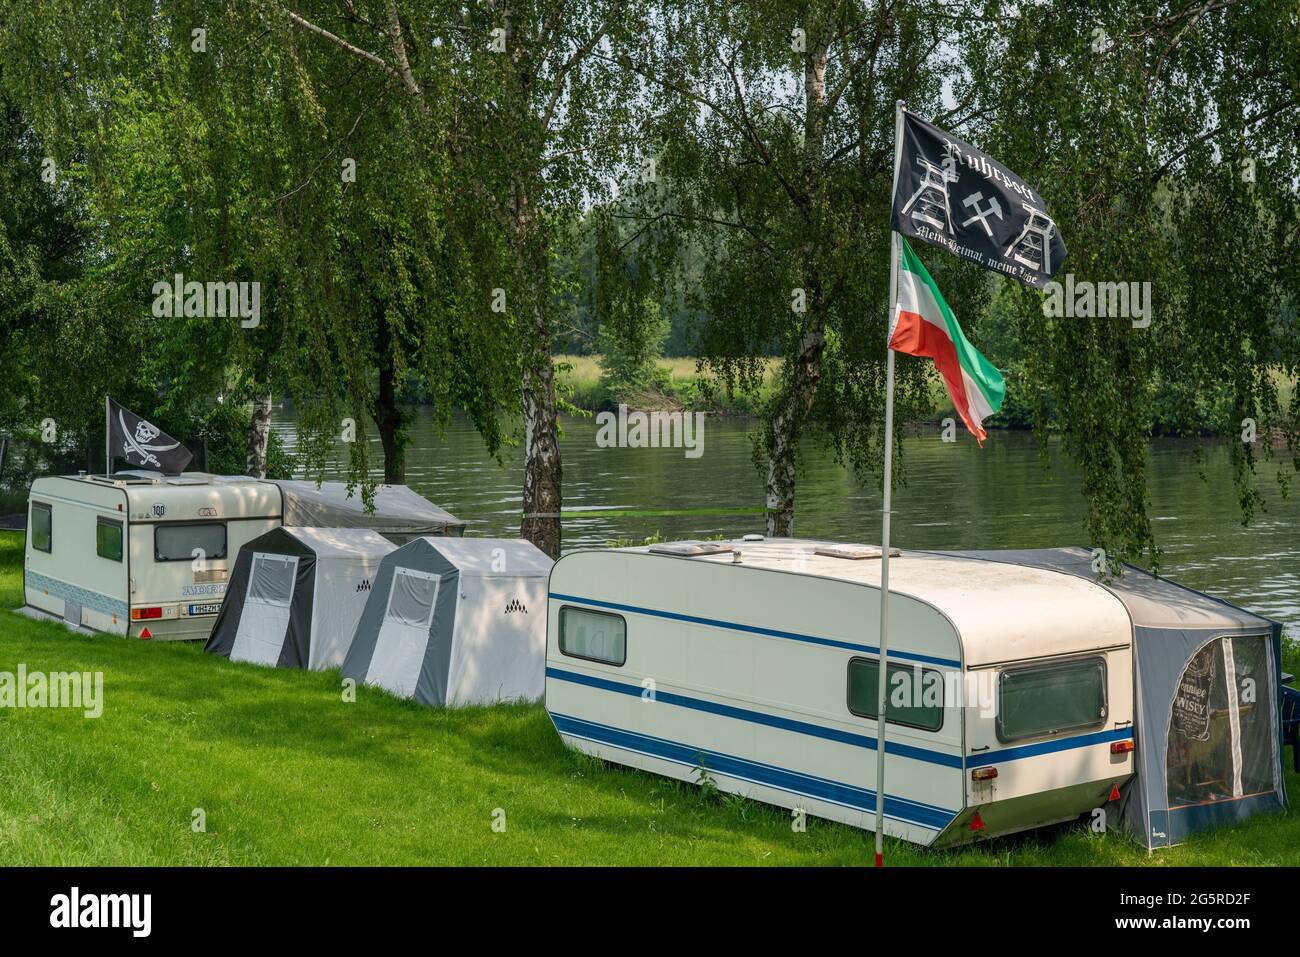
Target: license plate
<point x="210" y="609"/>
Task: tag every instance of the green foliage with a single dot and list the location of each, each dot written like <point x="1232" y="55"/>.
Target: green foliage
<point x="224" y="429"/>
<point x="752" y="183"/>
<point x="770" y="211"/>
<point x="629" y="362"/>
<point x="1152" y="115"/>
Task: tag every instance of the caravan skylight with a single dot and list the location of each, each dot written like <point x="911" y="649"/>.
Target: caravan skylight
<point x="852" y="552"/>
<point x="691" y="549"/>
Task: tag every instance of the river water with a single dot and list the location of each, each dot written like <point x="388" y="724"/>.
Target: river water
<point x="957" y="496"/>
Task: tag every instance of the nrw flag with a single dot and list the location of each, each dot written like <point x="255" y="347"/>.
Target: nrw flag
<point x="952" y="195"/>
<point x="142" y="443"/>
<point x="923" y="325"/>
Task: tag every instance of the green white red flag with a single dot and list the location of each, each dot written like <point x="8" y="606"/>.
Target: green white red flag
<point x="923" y="325"/>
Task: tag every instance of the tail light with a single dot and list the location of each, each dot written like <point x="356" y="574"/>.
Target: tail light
<point x="145" y="614"/>
<point x="984" y="774"/>
<point x="1121" y="747"/>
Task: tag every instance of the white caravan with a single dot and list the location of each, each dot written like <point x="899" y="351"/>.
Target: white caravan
<point x="119" y="554"/>
<point x="149" y="556"/>
<point x="754" y="664"/>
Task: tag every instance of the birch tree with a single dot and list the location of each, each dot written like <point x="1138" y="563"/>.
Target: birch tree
<point x="534" y="119"/>
<point x="776" y="145"/>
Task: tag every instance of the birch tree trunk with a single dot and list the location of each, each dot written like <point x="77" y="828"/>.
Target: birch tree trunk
<point x="541" y="520"/>
<point x="542" y="471"/>
<point x="786" y="425"/>
<point x="259" y="436"/>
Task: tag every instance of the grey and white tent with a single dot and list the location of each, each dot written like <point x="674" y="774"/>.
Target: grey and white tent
<point x="1206" y="677"/>
<point x="400" y="513"/>
<point x="295" y="596"/>
<point x="455" y="621"/>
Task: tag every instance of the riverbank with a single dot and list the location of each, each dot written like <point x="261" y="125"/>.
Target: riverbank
<point x="680" y="386"/>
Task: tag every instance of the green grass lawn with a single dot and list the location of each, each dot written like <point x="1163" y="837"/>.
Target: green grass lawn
<point x="286" y="772"/>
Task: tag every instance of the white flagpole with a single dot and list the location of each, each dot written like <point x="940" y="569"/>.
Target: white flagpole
<point x="108" y="431"/>
<point x="884" y="510"/>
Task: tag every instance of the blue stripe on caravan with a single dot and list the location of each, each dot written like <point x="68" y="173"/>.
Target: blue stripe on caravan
<point x="760" y="717"/>
<point x="1051" y="747"/>
<point x="756" y="630"/>
<point x="860" y="799"/>
<point x="977" y="759"/>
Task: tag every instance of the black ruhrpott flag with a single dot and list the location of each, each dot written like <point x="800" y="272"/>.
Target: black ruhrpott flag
<point x="953" y="196"/>
<point x="142" y="443"/>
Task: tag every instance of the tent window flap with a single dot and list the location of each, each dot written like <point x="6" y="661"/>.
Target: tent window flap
<point x="412" y="598"/>
<point x="270" y="581"/>
<point x="1221" y="735"/>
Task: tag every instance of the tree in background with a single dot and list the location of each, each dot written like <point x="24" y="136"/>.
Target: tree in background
<point x="1166" y="138"/>
<point x="774" y="123"/>
<point x="510" y="105"/>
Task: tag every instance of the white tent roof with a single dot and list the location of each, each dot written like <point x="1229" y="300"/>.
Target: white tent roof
<point x="342" y="542"/>
<point x="494" y="557"/>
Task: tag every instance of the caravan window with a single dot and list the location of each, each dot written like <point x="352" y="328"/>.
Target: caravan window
<point x="42" y="527"/>
<point x="593" y="635"/>
<point x="1051" y="698"/>
<point x="915" y="694"/>
<point x="412" y="598"/>
<point x="176" y="543"/>
<point x="108" y="539"/>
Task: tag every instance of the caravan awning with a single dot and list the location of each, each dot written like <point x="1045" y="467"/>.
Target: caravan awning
<point x="399" y="510"/>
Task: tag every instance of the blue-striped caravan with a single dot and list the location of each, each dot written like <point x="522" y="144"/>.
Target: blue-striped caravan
<point x="753" y="663"/>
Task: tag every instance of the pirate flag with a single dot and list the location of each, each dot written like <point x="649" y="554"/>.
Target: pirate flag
<point x="142" y="443"/>
<point x="951" y="195"/>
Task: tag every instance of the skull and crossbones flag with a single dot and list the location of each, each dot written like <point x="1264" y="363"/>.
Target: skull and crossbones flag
<point x="951" y="195"/>
<point x="142" y="443"/>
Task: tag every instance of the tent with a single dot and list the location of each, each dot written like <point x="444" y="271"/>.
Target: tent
<point x="295" y="595"/>
<point x="1208" y="702"/>
<point x="454" y="621"/>
<point x="400" y="512"/>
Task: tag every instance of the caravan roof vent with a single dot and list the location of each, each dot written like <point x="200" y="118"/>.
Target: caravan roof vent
<point x="852" y="552"/>
<point x="691" y="549"/>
